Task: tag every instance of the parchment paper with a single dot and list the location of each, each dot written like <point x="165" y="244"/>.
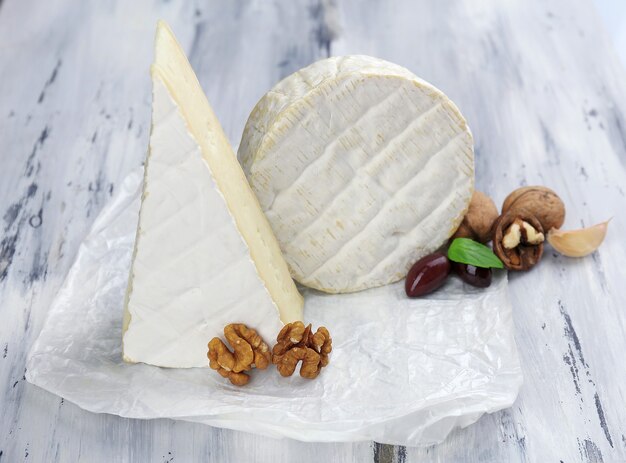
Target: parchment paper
<point x="402" y="371"/>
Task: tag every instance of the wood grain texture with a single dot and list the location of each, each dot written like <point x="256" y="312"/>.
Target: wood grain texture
<point x="545" y="97"/>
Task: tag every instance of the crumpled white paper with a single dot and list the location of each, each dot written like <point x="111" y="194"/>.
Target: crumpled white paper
<point x="402" y="371"/>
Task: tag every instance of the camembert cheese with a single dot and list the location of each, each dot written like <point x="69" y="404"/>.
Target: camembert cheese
<point x="205" y="255"/>
<point x="361" y="168"/>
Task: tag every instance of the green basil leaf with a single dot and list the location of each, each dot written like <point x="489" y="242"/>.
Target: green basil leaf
<point x="467" y="251"/>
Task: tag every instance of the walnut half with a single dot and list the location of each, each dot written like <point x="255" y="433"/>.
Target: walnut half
<point x="297" y="343"/>
<point x="249" y="351"/>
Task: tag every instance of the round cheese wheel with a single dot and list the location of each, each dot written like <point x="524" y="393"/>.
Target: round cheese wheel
<point x="361" y="168"/>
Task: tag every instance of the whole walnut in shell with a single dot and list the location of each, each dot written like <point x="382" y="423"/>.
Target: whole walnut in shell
<point x="479" y="219"/>
<point x="541" y="201"/>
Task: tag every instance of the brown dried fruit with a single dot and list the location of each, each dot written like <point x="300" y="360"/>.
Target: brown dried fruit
<point x="249" y="351"/>
<point x="540" y="201"/>
<point x="296" y="343"/>
<point x="518" y="239"/>
<point x="479" y="218"/>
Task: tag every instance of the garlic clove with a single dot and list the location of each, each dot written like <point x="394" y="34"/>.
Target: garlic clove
<point x="578" y="243"/>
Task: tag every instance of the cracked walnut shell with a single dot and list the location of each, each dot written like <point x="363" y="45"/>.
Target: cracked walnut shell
<point x="249" y="351"/>
<point x="297" y="343"/>
<point x="518" y="239"/>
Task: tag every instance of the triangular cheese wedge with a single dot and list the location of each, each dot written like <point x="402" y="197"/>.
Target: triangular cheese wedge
<point x="205" y="255"/>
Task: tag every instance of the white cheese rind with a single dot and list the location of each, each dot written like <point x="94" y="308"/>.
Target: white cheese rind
<point x="361" y="168"/>
<point x="196" y="264"/>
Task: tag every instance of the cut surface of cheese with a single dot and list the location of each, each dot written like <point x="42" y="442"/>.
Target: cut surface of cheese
<point x="361" y="168"/>
<point x="205" y="255"/>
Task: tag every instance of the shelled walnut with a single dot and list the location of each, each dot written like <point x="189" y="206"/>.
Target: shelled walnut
<point x="249" y="351"/>
<point x="297" y="343"/>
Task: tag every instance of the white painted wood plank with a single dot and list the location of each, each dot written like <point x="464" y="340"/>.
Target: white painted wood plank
<point x="542" y="92"/>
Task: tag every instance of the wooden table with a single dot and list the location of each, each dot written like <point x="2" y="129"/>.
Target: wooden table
<point x="545" y="97"/>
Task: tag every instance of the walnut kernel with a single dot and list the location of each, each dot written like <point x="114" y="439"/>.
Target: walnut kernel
<point x="513" y="236"/>
<point x="249" y="351"/>
<point x="297" y="343"/>
<point x="519" y="231"/>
